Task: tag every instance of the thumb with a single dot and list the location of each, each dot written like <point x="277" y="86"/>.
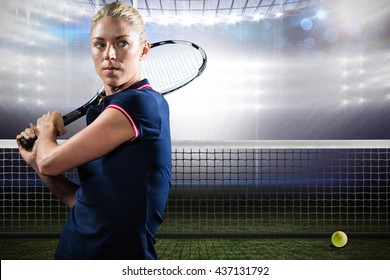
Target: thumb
<point x="62" y="130"/>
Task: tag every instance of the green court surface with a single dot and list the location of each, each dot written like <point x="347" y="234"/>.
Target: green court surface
<point x="224" y="249"/>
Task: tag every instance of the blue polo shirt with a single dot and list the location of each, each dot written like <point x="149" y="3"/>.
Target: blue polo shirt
<point x="122" y="197"/>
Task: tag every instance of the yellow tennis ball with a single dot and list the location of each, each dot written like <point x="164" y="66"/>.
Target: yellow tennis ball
<point x="339" y="239"/>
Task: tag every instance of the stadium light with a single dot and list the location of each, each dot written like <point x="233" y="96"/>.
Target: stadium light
<point x="258" y="17"/>
<point x="321" y="14"/>
<point x="361" y="100"/>
<point x="278" y="14"/>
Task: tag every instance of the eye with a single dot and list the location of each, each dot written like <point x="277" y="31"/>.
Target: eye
<point x="122" y="43"/>
<point x="99" y="45"/>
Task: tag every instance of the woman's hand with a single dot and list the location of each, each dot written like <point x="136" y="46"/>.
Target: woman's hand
<point x="61" y="187"/>
<point x="51" y="124"/>
<point x="28" y="156"/>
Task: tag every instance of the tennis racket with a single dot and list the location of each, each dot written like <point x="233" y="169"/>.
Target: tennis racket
<point x="170" y="66"/>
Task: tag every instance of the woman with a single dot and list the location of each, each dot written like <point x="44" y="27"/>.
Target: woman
<point x="123" y="155"/>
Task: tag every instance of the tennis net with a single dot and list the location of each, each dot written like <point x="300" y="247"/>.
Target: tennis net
<point x="237" y="187"/>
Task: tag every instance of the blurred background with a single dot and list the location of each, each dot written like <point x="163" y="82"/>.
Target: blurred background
<point x="277" y="69"/>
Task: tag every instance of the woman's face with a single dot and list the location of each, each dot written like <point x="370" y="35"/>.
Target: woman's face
<point x="117" y="53"/>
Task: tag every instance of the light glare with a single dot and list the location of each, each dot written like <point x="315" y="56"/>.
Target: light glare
<point x="321" y="14"/>
<point x="278" y="14"/>
<point x="361" y="100"/>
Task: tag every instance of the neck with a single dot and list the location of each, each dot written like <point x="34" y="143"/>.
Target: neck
<point x="114" y="89"/>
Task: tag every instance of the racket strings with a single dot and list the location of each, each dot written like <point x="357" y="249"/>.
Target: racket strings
<point x="171" y="66"/>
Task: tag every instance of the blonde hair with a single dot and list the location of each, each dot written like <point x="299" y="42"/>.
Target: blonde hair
<point x="124" y="11"/>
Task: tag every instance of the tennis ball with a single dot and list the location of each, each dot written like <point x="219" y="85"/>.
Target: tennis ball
<point x="339" y="239"/>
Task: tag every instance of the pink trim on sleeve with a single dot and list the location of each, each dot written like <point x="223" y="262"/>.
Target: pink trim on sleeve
<point x="132" y="123"/>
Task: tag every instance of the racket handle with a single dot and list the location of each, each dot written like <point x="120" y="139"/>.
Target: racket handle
<point x="27" y="144"/>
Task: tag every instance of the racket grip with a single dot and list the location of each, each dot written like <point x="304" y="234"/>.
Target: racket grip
<point x="27" y="144"/>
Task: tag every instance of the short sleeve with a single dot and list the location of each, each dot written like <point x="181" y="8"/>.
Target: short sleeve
<point x="142" y="111"/>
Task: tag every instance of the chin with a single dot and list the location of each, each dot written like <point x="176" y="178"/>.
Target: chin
<point x="112" y="83"/>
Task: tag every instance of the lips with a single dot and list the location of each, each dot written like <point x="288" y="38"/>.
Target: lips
<point x="110" y="68"/>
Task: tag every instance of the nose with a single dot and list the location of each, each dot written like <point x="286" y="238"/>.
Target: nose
<point x="110" y="53"/>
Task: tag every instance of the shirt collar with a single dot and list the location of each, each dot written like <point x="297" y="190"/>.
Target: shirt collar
<point x="139" y="85"/>
<point x="136" y="86"/>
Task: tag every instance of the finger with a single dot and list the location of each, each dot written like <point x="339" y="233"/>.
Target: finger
<point x="30" y="133"/>
<point x="62" y="131"/>
<point x="34" y="129"/>
<point x="23" y="135"/>
<point x="27" y="133"/>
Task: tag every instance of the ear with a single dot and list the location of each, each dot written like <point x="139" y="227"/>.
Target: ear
<point x="145" y="51"/>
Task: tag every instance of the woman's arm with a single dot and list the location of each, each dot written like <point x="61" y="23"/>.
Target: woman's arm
<point x="50" y="160"/>
<point x="61" y="187"/>
<point x="108" y="131"/>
